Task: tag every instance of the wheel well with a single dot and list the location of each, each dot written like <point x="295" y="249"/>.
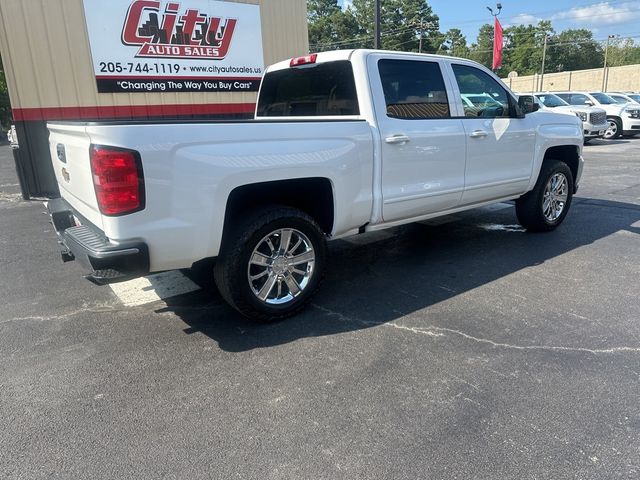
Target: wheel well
<point x="314" y="196"/>
<point x="568" y="154"/>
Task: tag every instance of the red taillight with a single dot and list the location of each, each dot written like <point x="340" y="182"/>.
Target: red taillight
<point x="118" y="181"/>
<point x="306" y="60"/>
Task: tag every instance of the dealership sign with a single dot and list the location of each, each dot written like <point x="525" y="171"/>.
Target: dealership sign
<point x="175" y="46"/>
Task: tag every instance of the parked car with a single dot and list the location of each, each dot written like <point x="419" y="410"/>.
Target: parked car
<point x="623" y="119"/>
<point x="342" y="143"/>
<point x="594" y="120"/>
<point x="634" y="96"/>
<point x="622" y="97"/>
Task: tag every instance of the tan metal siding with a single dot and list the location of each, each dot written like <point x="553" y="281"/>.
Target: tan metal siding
<point x="47" y="57"/>
<point x="623" y="79"/>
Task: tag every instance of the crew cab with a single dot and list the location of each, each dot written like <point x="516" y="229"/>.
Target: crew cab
<point x="623" y="119"/>
<point x="342" y="143"/>
<point x="594" y="120"/>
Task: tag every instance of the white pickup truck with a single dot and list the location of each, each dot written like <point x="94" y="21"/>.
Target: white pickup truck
<point x="342" y="143"/>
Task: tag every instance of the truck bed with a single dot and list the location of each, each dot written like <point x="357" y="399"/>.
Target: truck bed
<point x="191" y="168"/>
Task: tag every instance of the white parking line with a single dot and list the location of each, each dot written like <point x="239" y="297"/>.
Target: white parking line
<point x="153" y="288"/>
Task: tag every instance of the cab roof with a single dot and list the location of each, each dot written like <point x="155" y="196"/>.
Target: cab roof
<point x="337" y="55"/>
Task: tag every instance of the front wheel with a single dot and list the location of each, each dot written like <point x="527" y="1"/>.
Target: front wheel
<point x="272" y="264"/>
<point x="614" y="130"/>
<point x="546" y="206"/>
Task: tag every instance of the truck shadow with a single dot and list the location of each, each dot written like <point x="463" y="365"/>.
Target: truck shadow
<point x="377" y="278"/>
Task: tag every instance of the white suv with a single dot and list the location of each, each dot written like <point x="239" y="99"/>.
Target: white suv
<point x="623" y="98"/>
<point x="594" y="120"/>
<point x="623" y="119"/>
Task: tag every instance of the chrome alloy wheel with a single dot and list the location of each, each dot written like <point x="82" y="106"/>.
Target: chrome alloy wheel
<point x="612" y="130"/>
<point x="555" y="197"/>
<point x="281" y="266"/>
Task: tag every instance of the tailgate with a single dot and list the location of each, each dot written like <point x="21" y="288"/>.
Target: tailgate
<point x="69" y="145"/>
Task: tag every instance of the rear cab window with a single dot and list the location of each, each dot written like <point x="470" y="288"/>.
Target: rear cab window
<point x="323" y="89"/>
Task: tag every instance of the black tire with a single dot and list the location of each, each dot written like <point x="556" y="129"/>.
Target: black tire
<point x="618" y="128"/>
<point x="530" y="207"/>
<point x="231" y="272"/>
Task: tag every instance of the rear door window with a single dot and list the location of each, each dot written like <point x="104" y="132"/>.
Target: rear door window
<point x="413" y="90"/>
<point x="324" y="89"/>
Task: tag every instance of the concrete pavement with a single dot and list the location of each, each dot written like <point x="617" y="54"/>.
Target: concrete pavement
<point x="462" y="348"/>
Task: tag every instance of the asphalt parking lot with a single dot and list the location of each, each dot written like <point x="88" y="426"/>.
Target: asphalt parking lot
<point x="462" y="348"/>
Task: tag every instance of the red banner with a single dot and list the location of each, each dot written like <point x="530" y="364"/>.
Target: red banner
<point x="497" y="45"/>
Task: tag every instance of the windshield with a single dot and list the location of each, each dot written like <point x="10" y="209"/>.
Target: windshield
<point x="551" y="101"/>
<point x="635" y="97"/>
<point x="619" y="99"/>
<point x="604" y="99"/>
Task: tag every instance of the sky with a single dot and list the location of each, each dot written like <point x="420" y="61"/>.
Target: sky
<point x="612" y="17"/>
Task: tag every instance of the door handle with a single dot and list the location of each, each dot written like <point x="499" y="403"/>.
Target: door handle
<point x="395" y="139"/>
<point x="479" y="134"/>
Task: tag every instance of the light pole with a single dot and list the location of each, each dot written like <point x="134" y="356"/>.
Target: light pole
<point x="377" y="25"/>
<point x="604" y="69"/>
<point x="544" y="59"/>
<point x="421" y="34"/>
<point x="498" y="7"/>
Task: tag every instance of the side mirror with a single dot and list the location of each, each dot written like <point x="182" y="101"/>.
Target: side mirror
<point x="589" y="103"/>
<point x="527" y="104"/>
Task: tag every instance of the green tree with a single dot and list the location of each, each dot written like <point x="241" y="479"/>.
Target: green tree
<point x="455" y="44"/>
<point x="346" y="30"/>
<point x="402" y="23"/>
<point x="623" y="52"/>
<point x="574" y="49"/>
<point x="330" y="28"/>
<point x="524" y="47"/>
<point x="482" y="50"/>
<point x="321" y="16"/>
<point x="5" y="104"/>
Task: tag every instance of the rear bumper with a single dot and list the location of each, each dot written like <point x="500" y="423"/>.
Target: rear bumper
<point x="107" y="261"/>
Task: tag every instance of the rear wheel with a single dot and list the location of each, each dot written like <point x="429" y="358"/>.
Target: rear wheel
<point x="272" y="264"/>
<point x="614" y="129"/>
<point x="547" y="205"/>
